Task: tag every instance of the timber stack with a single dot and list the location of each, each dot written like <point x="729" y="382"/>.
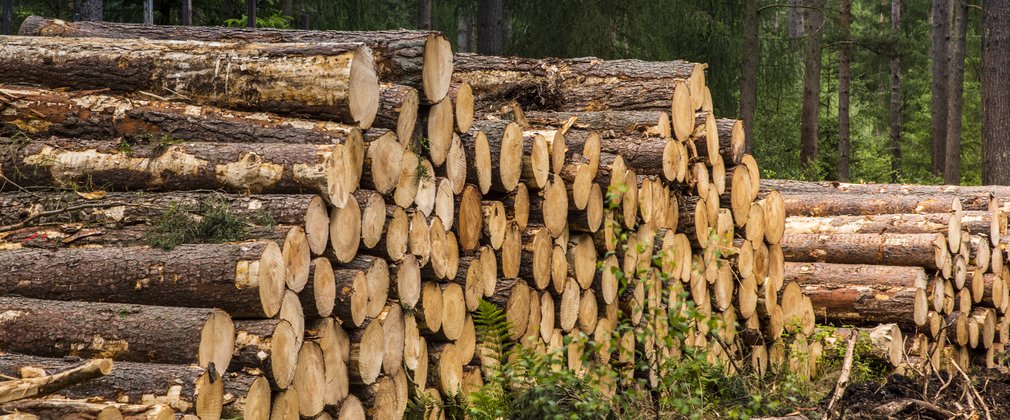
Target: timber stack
<point x="285" y="224"/>
<point x="928" y="260"/>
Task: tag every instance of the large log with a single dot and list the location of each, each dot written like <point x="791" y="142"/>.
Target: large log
<point x="609" y="123"/>
<point x="137" y="333"/>
<point x="127" y="209"/>
<point x="421" y="59"/>
<point x="75" y="409"/>
<point x="178" y="386"/>
<point x="828" y="187"/>
<point x="866" y="248"/>
<point x="824" y="204"/>
<point x="246" y="279"/>
<point x="861" y="294"/>
<point x="41" y="112"/>
<point x="328" y="80"/>
<point x="119" y="165"/>
<point x="976" y="222"/>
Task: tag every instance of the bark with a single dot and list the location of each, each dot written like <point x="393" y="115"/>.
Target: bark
<point x="88" y="10"/>
<point x="880" y="249"/>
<point x="153" y="166"/>
<point x="490" y="27"/>
<point x="399" y="54"/>
<point x="811" y="83"/>
<point x="151" y="334"/>
<point x="187" y="12"/>
<point x="608" y="123"/>
<point x="128" y="382"/>
<point x="858" y="294"/>
<point x="871" y="204"/>
<point x="995" y="92"/>
<point x="955" y="90"/>
<point x="268" y="347"/>
<point x="330" y="81"/>
<point x="845" y="18"/>
<point x="749" y="76"/>
<point x="7" y="18"/>
<point x="250" y="7"/>
<point x="75" y="409"/>
<point x="44" y="112"/>
<point x="940" y="15"/>
<point x="975" y="222"/>
<point x="967" y="193"/>
<point x="895" y="121"/>
<point x="239" y="278"/>
<point x="574" y="84"/>
<point x="424" y="14"/>
<point x="397" y="110"/>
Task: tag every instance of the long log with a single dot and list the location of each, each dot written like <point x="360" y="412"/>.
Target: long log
<point x="65" y="409"/>
<point x="824" y="204"/>
<point x="421" y="59"/>
<point x="246" y="279"/>
<point x="330" y="80"/>
<point x="809" y="187"/>
<point x="177" y="386"/>
<point x="865" y="248"/>
<point x="976" y="222"/>
<point x="609" y="123"/>
<point x="36" y="386"/>
<point x="860" y="294"/>
<point x="41" y="112"/>
<point x="262" y="168"/>
<point x="123" y="332"/>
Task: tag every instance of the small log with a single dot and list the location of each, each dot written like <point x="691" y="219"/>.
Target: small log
<point x="269" y="347"/>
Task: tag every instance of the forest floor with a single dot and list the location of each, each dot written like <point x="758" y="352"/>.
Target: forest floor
<point x="902" y="397"/>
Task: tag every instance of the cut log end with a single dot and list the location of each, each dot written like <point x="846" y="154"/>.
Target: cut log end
<point x="436" y="67"/>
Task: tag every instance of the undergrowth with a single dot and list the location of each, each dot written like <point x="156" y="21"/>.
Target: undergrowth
<point x="209" y="222"/>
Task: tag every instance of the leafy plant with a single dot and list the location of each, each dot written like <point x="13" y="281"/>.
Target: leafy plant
<point x="210" y="222"/>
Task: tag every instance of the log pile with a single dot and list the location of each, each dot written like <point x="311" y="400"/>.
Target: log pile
<point x="380" y="197"/>
<point x="928" y="259"/>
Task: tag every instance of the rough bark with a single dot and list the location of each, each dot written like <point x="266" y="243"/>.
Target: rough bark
<point x="895" y="107"/>
<point x="844" y="50"/>
<point x="995" y="92"/>
<point x="811" y="82"/>
<point x="88" y="10"/>
<point x="940" y="19"/>
<point x="609" y="123"/>
<point x="153" y="166"/>
<point x="574" y="84"/>
<point x="268" y="347"/>
<point x="967" y="193"/>
<point x="400" y="55"/>
<point x="239" y="278"/>
<point x="955" y="90"/>
<point x="136" y="333"/>
<point x="322" y="80"/>
<point x="858" y="294"/>
<point x="879" y="249"/>
<point x="749" y="75"/>
<point x="490" y="27"/>
<point x="870" y="204"/>
<point x="976" y="222"/>
<point x="42" y="112"/>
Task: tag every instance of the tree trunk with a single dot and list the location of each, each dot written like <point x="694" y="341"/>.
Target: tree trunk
<point x="7" y="18"/>
<point x="995" y="92"/>
<point x="490" y="27"/>
<point x="155" y="166"/>
<point x="88" y="10"/>
<point x="331" y="81"/>
<point x="205" y="276"/>
<point x="424" y="14"/>
<point x="135" y="333"/>
<point x="811" y="83"/>
<point x="250" y="7"/>
<point x="795" y="19"/>
<point x="975" y="222"/>
<point x="45" y="112"/>
<point x="845" y="18"/>
<point x="464" y="29"/>
<point x="940" y="15"/>
<point x="749" y="76"/>
<point x="879" y="249"/>
<point x="187" y="12"/>
<point x="819" y="205"/>
<point x="420" y="59"/>
<point x="955" y="89"/>
<point x="895" y="106"/>
<point x="129" y="382"/>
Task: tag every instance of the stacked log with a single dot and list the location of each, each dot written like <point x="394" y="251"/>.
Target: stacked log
<point x="309" y="254"/>
<point x="928" y="259"/>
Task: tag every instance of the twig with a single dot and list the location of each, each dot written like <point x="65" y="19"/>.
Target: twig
<point x="37" y="387"/>
<point x="843" y="378"/>
<point x="972" y="387"/>
<point x="39" y="215"/>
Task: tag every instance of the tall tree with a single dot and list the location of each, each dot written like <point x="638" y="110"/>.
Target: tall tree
<point x="424" y="14"/>
<point x="490" y="27"/>
<point x="187" y="12"/>
<point x="996" y="92"/>
<point x="938" y="56"/>
<point x="896" y="93"/>
<point x="955" y="90"/>
<point x="749" y="74"/>
<point x="811" y="82"/>
<point x="250" y="6"/>
<point x="88" y="10"/>
<point x="845" y="17"/>
<point x="7" y="26"/>
<point x="149" y="12"/>
<point x="794" y="19"/>
<point x="464" y="28"/>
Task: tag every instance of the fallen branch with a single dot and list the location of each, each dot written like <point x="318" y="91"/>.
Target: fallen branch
<point x="843" y="378"/>
<point x="36" y="216"/>
<point x="973" y="391"/>
<point x="44" y="385"/>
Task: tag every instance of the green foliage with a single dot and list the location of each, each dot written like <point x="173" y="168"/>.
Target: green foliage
<point x="275" y="21"/>
<point x="210" y="222"/>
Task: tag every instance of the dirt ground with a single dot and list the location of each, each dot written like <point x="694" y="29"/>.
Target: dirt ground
<point x="902" y="397"/>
